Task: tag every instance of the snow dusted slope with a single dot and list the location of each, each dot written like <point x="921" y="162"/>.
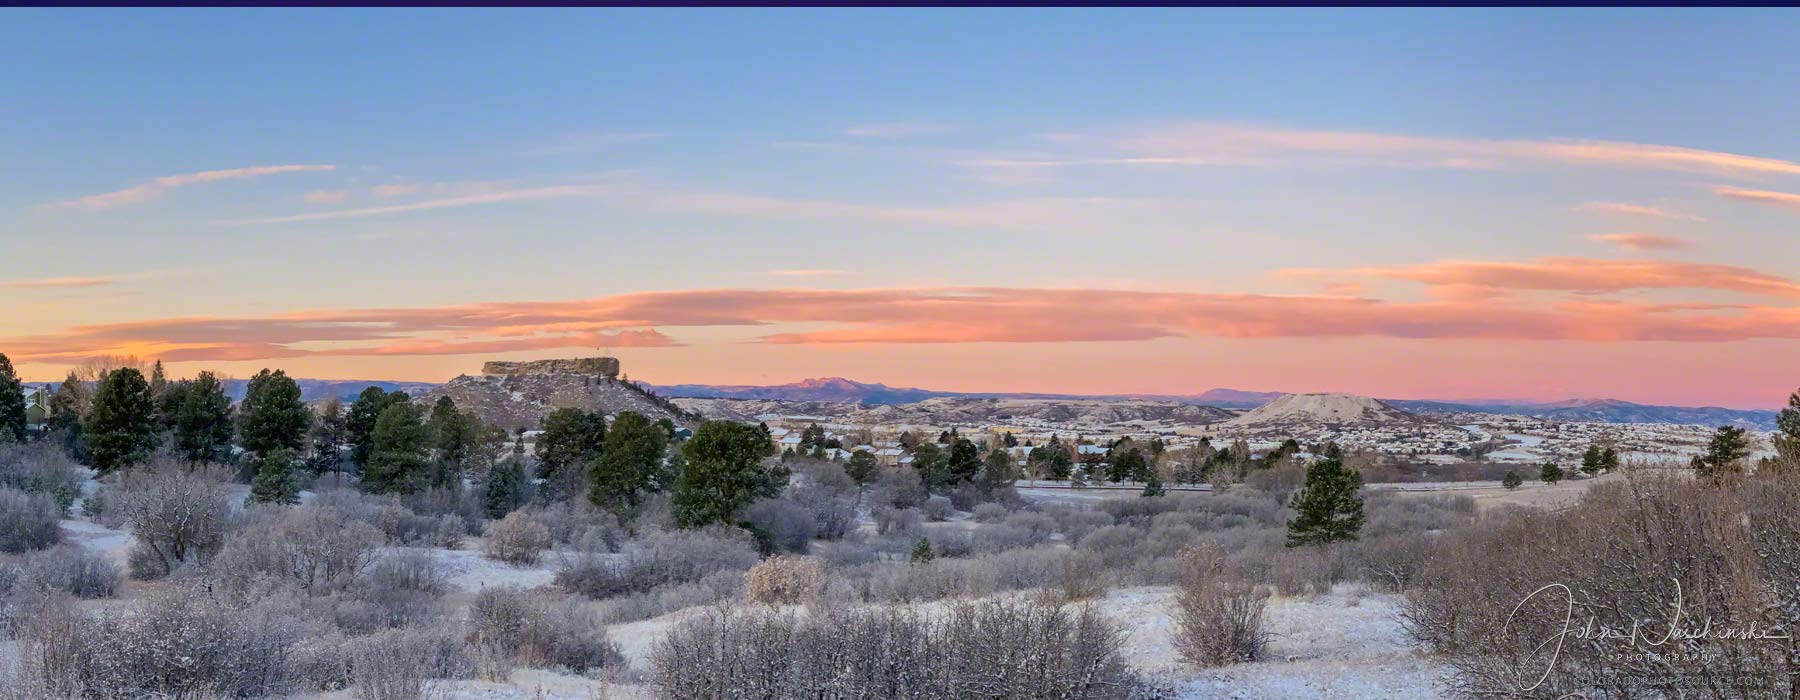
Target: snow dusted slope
<point x="1322" y="409"/>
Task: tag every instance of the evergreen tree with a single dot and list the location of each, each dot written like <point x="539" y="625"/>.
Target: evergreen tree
<point x="1550" y="473"/>
<point x="1007" y="440"/>
<point x="329" y="434"/>
<point x="1328" y="507"/>
<point x="1129" y="465"/>
<point x="961" y="464"/>
<point x="1609" y="459"/>
<point x="631" y="462"/>
<point x="921" y="552"/>
<point x="12" y="403"/>
<point x="120" y="430"/>
<point x="202" y="419"/>
<point x="1724" y="454"/>
<point x="274" y="481"/>
<point x="1786" y="440"/>
<point x="861" y="467"/>
<point x="997" y="471"/>
<point x="67" y="407"/>
<point x="272" y="416"/>
<point x="397" y="452"/>
<point x="454" y="438"/>
<point x="724" y="472"/>
<point x="359" y="423"/>
<point x="1050" y="461"/>
<point x="506" y="489"/>
<point x="571" y="438"/>
<point x="160" y="395"/>
<point x="1592" y="461"/>
<point x="1153" y="486"/>
<point x="1511" y="480"/>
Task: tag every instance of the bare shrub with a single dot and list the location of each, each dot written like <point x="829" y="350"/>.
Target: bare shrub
<point x="1082" y="576"/>
<point x="177" y="515"/>
<point x="28" y="521"/>
<point x="1041" y="526"/>
<point x="661" y="558"/>
<point x="937" y="509"/>
<point x="824" y="490"/>
<point x="404" y="527"/>
<point x="401" y="664"/>
<point x="890" y="520"/>
<point x="1618" y="556"/>
<point x="989" y="539"/>
<point x="540" y="630"/>
<point x="989" y="513"/>
<point x="783" y="580"/>
<point x="573" y="521"/>
<point x="1077" y="523"/>
<point x="321" y="550"/>
<point x="1004" y="651"/>
<point x="41" y="468"/>
<point x="67" y="569"/>
<point x="177" y="643"/>
<point x="789" y="525"/>
<point x="1116" y="544"/>
<point x="517" y="539"/>
<point x="1218" y="621"/>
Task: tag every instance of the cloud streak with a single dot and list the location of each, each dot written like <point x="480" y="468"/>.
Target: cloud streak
<point x="155" y="188"/>
<point x="52" y="282"/>
<point x="1225" y="144"/>
<point x="1628" y="209"/>
<point x="940" y="315"/>
<point x="1579" y="275"/>
<point x="1642" y="241"/>
<point x="1785" y="200"/>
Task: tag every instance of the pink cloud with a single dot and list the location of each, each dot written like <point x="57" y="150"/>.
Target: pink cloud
<point x="1584" y="275"/>
<point x="1642" y="241"/>
<point x="1786" y="200"/>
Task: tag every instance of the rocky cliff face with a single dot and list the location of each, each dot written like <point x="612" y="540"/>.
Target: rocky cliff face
<point x="517" y="395"/>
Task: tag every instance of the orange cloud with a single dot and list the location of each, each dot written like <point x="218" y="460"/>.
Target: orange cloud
<point x="973" y="315"/>
<point x="1625" y="209"/>
<point x="1641" y="241"/>
<point x="1584" y="275"/>
<point x="1786" y="200"/>
<point x="155" y="188"/>
<point x="55" y="282"/>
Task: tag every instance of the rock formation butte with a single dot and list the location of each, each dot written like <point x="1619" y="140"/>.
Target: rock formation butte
<point x="1322" y="409"/>
<point x="518" y="395"/>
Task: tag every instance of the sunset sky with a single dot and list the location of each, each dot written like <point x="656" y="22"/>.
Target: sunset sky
<point x="1408" y="204"/>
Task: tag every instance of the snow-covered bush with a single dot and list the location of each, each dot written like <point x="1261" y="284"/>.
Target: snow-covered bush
<point x="783" y="580"/>
<point x="518" y="539"/>
<point x="937" y="508"/>
<point x="177" y="515"/>
<point x="1218" y="620"/>
<point x="540" y="630"/>
<point x="41" y="468"/>
<point x="661" y="558"/>
<point x="28" y="521"/>
<point x="401" y="664"/>
<point x="891" y="520"/>
<point x="790" y="526"/>
<point x="66" y="569"/>
<point x="319" y="550"/>
<point x="1051" y="652"/>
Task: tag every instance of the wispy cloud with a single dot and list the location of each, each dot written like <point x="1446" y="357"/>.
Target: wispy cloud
<point x="155" y="188"/>
<point x="1785" y="200"/>
<point x="327" y="196"/>
<point x="899" y="129"/>
<point x="1224" y="144"/>
<point x="1580" y="275"/>
<point x="932" y="315"/>
<point x="1642" y="241"/>
<point x="556" y="192"/>
<point x="1628" y="209"/>
<point x="49" y="282"/>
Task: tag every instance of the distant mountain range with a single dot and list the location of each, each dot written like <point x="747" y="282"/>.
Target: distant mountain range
<point x="341" y="389"/>
<point x="1599" y="410"/>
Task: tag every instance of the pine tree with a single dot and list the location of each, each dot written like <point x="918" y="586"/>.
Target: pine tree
<point x="505" y="489"/>
<point x="397" y="459"/>
<point x="272" y="416"/>
<point x="1786" y="439"/>
<point x="1153" y="486"/>
<point x="1550" y="473"/>
<point x="630" y="464"/>
<point x="160" y="391"/>
<point x="1511" y="480"/>
<point x="1593" y="461"/>
<point x="329" y="434"/>
<point x="997" y="471"/>
<point x="921" y="552"/>
<point x="571" y="438"/>
<point x="454" y="435"/>
<point x="1609" y="459"/>
<point x="359" y="422"/>
<point x="274" y="482"/>
<point x="723" y="473"/>
<point x="121" y="425"/>
<point x="202" y="419"/>
<point x="1724" y="454"/>
<point x="1327" y="508"/>
<point x="861" y="467"/>
<point x="12" y="403"/>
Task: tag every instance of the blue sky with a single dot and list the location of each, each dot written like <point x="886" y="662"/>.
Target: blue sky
<point x="430" y="160"/>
